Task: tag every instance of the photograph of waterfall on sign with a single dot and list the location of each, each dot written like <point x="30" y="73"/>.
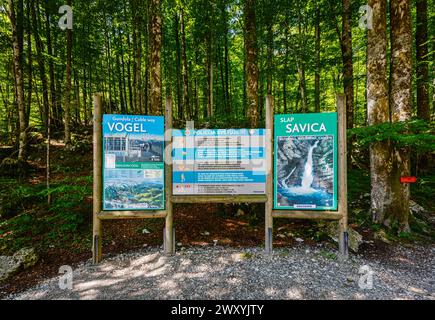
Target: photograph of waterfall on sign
<point x="305" y="172"/>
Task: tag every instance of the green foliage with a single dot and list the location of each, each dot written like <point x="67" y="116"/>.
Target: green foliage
<point x="416" y="134"/>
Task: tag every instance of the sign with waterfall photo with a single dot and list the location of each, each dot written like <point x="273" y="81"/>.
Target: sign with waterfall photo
<point x="305" y="161"/>
<point x="133" y="167"/>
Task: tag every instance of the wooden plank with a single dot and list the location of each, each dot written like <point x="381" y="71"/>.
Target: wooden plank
<point x="220" y="199"/>
<point x="268" y="218"/>
<point x="169" y="224"/>
<point x="108" y="215"/>
<point x="97" y="183"/>
<point x="342" y="175"/>
<point x="294" y="214"/>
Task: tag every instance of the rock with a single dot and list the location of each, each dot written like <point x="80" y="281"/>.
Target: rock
<point x="299" y="240"/>
<point x="382" y="236"/>
<point x="27" y="257"/>
<point x="240" y="213"/>
<point x="8" y="267"/>
<point x="355" y="239"/>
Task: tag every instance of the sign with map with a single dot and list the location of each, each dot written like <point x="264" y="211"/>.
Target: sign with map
<point x="305" y="161"/>
<point x="133" y="164"/>
<point x="219" y="162"/>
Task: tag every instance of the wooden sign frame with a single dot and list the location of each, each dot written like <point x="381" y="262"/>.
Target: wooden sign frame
<point x="341" y="214"/>
<point x="99" y="215"/>
<point x="169" y="232"/>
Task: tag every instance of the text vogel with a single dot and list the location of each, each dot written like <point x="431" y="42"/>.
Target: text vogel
<point x="127" y="127"/>
<point x="305" y="128"/>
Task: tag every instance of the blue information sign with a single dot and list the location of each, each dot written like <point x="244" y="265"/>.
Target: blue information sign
<point x="133" y="162"/>
<point x="219" y="161"/>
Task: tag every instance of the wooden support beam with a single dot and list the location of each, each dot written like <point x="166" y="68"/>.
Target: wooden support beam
<point x="342" y="176"/>
<point x="220" y="199"/>
<point x="169" y="223"/>
<point x="109" y="215"/>
<point x="268" y="220"/>
<point x="292" y="214"/>
<point x="98" y="183"/>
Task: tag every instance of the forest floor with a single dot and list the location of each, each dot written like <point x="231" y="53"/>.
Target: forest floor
<point x="61" y="234"/>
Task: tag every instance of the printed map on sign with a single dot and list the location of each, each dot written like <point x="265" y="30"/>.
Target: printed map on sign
<point x="133" y="167"/>
<point x="219" y="161"/>
<point x="306" y="161"/>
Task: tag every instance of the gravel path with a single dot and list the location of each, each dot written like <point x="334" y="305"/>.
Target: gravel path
<point x="302" y="272"/>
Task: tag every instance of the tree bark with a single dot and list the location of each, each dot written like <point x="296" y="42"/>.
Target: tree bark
<point x="155" y="52"/>
<point x="186" y="101"/>
<point x="378" y="110"/>
<point x="317" y="73"/>
<point x="41" y="64"/>
<point x="68" y="85"/>
<point x="251" y="63"/>
<point x="421" y="43"/>
<point x="346" y="49"/>
<point x="401" y="107"/>
<point x="18" y="71"/>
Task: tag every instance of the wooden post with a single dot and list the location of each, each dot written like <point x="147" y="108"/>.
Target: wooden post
<point x="268" y="220"/>
<point x="342" y="176"/>
<point x="169" y="229"/>
<point x="97" y="184"/>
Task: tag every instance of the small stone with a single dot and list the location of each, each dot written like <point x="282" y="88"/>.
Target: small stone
<point x="27" y="257"/>
<point x="240" y="213"/>
<point x="179" y="244"/>
<point x="8" y="267"/>
<point x="299" y="240"/>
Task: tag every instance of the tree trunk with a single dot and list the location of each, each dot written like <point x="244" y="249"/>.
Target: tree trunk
<point x="155" y="52"/>
<point x="68" y="84"/>
<point x="378" y="110"/>
<point x="51" y="68"/>
<point x="178" y="68"/>
<point x="18" y="72"/>
<point x="251" y="63"/>
<point x="317" y="73"/>
<point x="346" y="53"/>
<point x="41" y="64"/>
<point x="421" y="43"/>
<point x="186" y="101"/>
<point x="401" y="107"/>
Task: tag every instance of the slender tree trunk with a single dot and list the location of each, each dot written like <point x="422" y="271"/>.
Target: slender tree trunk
<point x="156" y="46"/>
<point x="378" y="110"/>
<point x="346" y="50"/>
<point x="401" y="107"/>
<point x="251" y="62"/>
<point x="421" y="43"/>
<point x="18" y="68"/>
<point x="50" y="66"/>
<point x="317" y="73"/>
<point x="185" y="68"/>
<point x="68" y="84"/>
<point x="180" y="108"/>
<point x="41" y="64"/>
<point x="30" y="69"/>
